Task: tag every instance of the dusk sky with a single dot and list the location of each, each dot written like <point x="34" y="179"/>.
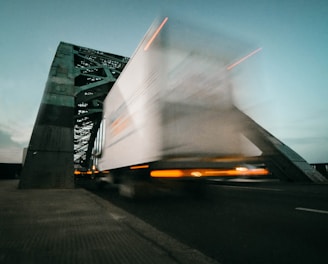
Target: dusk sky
<point x="288" y="78"/>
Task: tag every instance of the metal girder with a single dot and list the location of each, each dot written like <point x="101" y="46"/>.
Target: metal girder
<point x="95" y="73"/>
<point x="284" y="162"/>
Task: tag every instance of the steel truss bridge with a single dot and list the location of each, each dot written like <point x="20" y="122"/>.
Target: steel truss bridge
<point x="70" y="115"/>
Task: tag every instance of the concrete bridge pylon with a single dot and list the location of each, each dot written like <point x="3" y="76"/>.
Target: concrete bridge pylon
<point x="49" y="157"/>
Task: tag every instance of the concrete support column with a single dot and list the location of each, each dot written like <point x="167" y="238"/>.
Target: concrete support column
<point x="49" y="158"/>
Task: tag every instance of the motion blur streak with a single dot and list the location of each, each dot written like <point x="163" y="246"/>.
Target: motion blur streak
<point x="243" y="58"/>
<point x="167" y="173"/>
<point x="239" y="171"/>
<point x="139" y="167"/>
<point x="156" y="33"/>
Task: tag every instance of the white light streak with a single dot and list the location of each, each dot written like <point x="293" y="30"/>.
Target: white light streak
<point x="243" y="59"/>
<point x="311" y="210"/>
<point x="155" y="34"/>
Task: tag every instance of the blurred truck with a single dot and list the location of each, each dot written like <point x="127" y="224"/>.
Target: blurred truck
<point x="170" y="115"/>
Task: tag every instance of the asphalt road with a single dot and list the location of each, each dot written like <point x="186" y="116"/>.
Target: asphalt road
<point x="242" y="223"/>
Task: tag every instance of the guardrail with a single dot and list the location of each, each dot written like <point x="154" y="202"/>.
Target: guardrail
<point x="321" y="167"/>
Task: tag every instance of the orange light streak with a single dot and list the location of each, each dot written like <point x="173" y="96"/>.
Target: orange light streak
<point x="155" y="34"/>
<point x="208" y="172"/>
<point x="139" y="167"/>
<point x="243" y="59"/>
<point x="166" y="173"/>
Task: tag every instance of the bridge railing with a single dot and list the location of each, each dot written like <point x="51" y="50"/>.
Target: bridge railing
<point x="321" y="167"/>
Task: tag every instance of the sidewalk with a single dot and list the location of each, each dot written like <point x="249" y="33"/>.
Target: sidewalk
<point x="76" y="226"/>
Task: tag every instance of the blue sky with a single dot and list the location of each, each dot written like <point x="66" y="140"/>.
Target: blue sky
<point x="288" y="78"/>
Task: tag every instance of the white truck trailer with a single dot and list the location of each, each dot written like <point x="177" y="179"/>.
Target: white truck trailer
<point x="170" y="113"/>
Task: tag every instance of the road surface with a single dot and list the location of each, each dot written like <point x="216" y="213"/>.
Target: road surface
<point x="242" y="222"/>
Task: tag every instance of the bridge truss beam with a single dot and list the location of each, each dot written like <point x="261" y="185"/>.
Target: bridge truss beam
<point x="69" y="115"/>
